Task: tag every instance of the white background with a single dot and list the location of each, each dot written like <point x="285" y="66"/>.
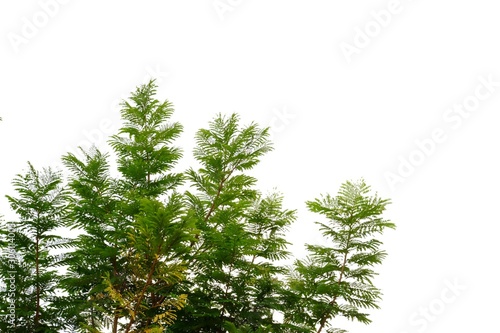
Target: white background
<point x="334" y="117"/>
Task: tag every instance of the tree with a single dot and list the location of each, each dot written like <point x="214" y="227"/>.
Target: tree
<point x="95" y="251"/>
<point x="336" y="280"/>
<point x="30" y="268"/>
<point x="157" y="241"/>
<point x="182" y="252"/>
<point x="159" y="232"/>
<point x="127" y="260"/>
<point x="235" y="282"/>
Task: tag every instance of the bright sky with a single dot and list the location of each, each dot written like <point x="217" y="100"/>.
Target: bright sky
<point x="403" y="93"/>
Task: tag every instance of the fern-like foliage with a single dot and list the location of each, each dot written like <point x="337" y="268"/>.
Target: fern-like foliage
<point x="336" y="280"/>
<point x="156" y="245"/>
<point x="143" y="145"/>
<point x="123" y="267"/>
<point x="151" y="258"/>
<point x="93" y="211"/>
<point x="29" y="271"/>
<point x="234" y="279"/>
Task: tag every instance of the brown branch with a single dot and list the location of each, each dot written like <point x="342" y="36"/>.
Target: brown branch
<point x="213" y="206"/>
<point x="143" y="291"/>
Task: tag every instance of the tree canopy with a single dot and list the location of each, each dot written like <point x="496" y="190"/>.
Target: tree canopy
<point x="200" y="250"/>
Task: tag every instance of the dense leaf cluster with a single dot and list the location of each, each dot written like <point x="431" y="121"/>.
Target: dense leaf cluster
<point x="196" y="251"/>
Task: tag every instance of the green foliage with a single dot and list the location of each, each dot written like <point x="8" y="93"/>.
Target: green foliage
<point x="235" y="280"/>
<point x="126" y="261"/>
<point x="30" y="266"/>
<point x="143" y="145"/>
<point x="150" y="257"/>
<point x="154" y="253"/>
<point x="336" y="280"/>
<point x="93" y="210"/>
